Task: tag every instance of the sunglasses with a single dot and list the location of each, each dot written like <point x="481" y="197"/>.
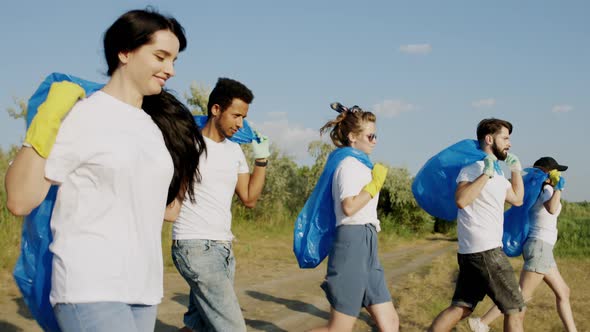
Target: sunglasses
<point x="372" y="137"/>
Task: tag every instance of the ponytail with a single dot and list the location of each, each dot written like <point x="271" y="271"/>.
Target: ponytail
<point x="348" y="121"/>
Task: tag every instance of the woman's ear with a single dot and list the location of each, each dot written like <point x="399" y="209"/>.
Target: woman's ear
<point x="351" y="138"/>
<point x="124" y="57"/>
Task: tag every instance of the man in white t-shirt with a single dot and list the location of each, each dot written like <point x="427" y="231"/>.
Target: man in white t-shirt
<point x="483" y="267"/>
<point x="202" y="237"/>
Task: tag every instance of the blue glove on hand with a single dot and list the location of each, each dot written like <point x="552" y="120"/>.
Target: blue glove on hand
<point x="261" y="150"/>
<point x="488" y="168"/>
<point x="560" y="184"/>
<point x="513" y="162"/>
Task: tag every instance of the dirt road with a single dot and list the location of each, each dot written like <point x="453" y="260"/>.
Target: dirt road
<point x="280" y="297"/>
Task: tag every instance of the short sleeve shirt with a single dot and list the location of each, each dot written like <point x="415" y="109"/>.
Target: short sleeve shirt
<point x="480" y="224"/>
<point x="209" y="217"/>
<point x="114" y="171"/>
<point x="348" y="180"/>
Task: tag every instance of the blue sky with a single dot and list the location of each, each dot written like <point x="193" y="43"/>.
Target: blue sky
<point x="429" y="69"/>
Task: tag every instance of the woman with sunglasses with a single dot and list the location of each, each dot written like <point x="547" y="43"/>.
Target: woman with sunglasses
<point x="355" y="277"/>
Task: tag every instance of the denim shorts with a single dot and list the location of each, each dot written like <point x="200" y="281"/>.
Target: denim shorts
<point x="355" y="277"/>
<point x="209" y="267"/>
<point x="105" y="317"/>
<point x="538" y="256"/>
<point x="487" y="273"/>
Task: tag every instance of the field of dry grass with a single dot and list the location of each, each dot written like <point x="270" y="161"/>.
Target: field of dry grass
<point x="423" y="295"/>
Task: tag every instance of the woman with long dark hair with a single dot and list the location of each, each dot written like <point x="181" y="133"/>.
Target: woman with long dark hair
<point x="123" y="158"/>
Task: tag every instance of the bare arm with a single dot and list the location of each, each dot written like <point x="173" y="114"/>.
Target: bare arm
<point x="515" y="194"/>
<point x="351" y="205"/>
<point x="26" y="185"/>
<point x="172" y="211"/>
<point x="552" y="205"/>
<point x="249" y="186"/>
<point x="467" y="192"/>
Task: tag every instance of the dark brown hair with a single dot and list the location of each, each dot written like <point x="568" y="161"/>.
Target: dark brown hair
<point x="345" y="123"/>
<point x="491" y="126"/>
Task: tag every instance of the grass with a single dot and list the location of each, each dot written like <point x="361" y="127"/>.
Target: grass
<point x="422" y="296"/>
<point x="573" y="237"/>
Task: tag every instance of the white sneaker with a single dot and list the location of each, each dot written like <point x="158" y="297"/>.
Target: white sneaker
<point x="476" y="325"/>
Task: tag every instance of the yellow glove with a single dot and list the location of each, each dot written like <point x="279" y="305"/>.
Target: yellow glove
<point x="554" y="177"/>
<point x="43" y="129"/>
<point x="379" y="174"/>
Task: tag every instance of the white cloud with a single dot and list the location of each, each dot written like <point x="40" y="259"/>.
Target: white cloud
<point x="562" y="108"/>
<point x="390" y="108"/>
<point x="292" y="139"/>
<point x="484" y="103"/>
<point x="416" y="48"/>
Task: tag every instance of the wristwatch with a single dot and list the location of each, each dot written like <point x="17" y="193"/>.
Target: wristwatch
<point x="261" y="163"/>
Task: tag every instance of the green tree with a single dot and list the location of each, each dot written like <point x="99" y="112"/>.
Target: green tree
<point x="397" y="204"/>
<point x="197" y="98"/>
<point x="20" y="111"/>
<point x="319" y="150"/>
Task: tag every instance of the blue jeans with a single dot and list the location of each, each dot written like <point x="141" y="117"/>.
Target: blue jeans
<point x="105" y="317"/>
<point x="209" y="267"/>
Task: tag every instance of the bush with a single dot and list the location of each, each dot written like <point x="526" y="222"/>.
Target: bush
<point x="574" y="230"/>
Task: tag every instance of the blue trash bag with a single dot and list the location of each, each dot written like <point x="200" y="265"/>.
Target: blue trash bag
<point x="32" y="272"/>
<point x="315" y="226"/>
<point x="435" y="184"/>
<point x="516" y="219"/>
<point x="244" y="135"/>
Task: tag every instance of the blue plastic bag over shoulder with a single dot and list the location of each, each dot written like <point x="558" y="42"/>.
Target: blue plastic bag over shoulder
<point x="435" y="184"/>
<point x="32" y="272"/>
<point x="516" y="219"/>
<point x="316" y="223"/>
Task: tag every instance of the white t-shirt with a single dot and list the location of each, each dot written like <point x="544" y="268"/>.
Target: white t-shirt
<point x="114" y="170"/>
<point x="349" y="179"/>
<point x="480" y="224"/>
<point x="210" y="216"/>
<point x="543" y="223"/>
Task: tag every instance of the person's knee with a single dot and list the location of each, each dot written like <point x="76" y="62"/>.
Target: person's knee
<point x="394" y="323"/>
<point x="563" y="294"/>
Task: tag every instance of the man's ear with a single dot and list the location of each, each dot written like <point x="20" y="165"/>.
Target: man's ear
<point x="215" y="110"/>
<point x="489" y="139"/>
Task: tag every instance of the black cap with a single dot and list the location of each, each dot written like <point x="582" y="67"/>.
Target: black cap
<point x="550" y="164"/>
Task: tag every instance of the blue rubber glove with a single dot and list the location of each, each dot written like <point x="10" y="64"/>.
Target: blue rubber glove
<point x="261" y="150"/>
<point x="488" y="168"/>
<point x="513" y="162"/>
<point x="560" y="184"/>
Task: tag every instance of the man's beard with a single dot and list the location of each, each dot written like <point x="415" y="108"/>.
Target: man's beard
<point x="501" y="155"/>
<point x="223" y="132"/>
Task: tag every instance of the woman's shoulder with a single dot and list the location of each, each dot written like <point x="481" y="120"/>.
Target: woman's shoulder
<point x="352" y="162"/>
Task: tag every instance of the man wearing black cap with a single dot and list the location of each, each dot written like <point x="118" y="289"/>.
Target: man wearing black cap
<point x="539" y="264"/>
